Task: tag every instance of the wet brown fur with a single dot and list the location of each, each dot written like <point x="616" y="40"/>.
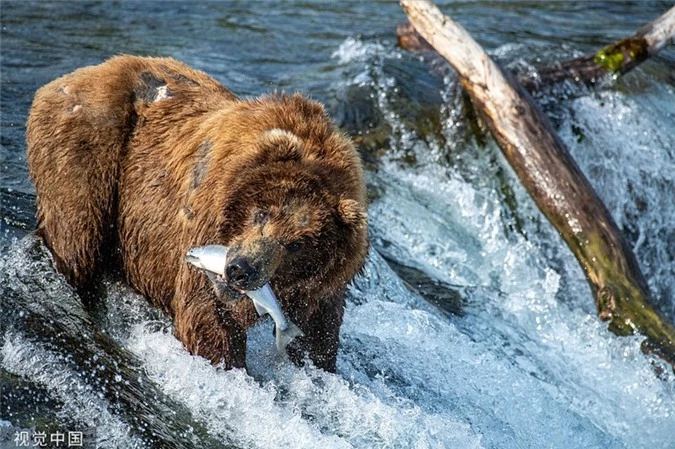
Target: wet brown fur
<point x="148" y="157"/>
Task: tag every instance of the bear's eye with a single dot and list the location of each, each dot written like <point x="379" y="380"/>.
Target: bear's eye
<point x="293" y="246"/>
<point x="260" y="216"/>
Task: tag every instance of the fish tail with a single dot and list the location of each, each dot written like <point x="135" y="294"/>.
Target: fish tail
<point x="284" y="337"/>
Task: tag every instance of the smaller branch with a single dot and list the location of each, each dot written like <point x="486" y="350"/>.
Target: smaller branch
<point x="409" y="39"/>
<point x="613" y="60"/>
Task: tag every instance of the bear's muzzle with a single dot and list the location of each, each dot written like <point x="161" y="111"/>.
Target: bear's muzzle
<point x="252" y="263"/>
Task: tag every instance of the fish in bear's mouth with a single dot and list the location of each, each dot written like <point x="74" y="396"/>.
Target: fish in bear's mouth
<point x="212" y="260"/>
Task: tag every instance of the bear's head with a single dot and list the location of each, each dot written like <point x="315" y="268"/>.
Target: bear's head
<point x="298" y="215"/>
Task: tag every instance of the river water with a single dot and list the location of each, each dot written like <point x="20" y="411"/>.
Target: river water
<point x="472" y="326"/>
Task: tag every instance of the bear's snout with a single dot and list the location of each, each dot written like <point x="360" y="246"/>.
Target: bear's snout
<point x="240" y="273"/>
<point x="251" y="263"/>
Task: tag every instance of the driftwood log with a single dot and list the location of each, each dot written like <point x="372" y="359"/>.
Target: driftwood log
<point x="553" y="180"/>
<point x="608" y="63"/>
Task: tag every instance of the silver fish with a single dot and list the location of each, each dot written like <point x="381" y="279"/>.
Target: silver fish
<point x="265" y="301"/>
<point x="212" y="259"/>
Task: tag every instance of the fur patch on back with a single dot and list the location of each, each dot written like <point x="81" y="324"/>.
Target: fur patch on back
<point x="163" y="92"/>
<point x="152" y="88"/>
<point x="202" y="164"/>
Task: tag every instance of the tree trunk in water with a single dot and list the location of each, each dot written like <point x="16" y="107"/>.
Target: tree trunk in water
<point x="553" y="180"/>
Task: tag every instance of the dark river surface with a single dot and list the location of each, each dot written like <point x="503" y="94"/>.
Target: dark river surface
<point x="472" y="327"/>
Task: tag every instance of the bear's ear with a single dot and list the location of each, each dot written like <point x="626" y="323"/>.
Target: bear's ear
<point x="351" y="213"/>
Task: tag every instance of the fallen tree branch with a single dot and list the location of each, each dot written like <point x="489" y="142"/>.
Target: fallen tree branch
<point x="553" y="180"/>
<point x="610" y="62"/>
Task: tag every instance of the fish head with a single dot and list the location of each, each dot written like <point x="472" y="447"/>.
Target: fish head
<point x="211" y="258"/>
<point x="192" y="257"/>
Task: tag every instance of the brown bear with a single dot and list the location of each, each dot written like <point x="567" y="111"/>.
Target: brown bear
<point x="137" y="160"/>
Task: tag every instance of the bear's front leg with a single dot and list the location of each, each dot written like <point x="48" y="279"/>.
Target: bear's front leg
<point x="322" y="335"/>
<point x="204" y="325"/>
